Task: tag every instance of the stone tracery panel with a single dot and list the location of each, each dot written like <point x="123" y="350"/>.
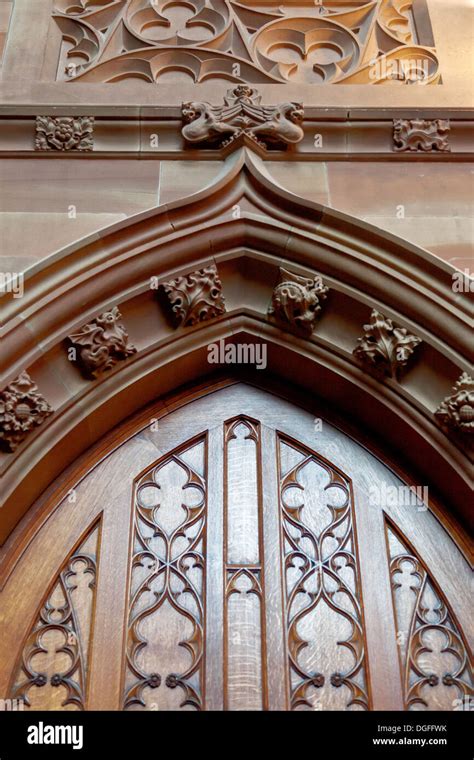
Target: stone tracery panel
<point x="366" y="42"/>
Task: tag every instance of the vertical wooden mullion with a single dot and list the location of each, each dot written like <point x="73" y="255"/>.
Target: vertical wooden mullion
<point x="379" y="620"/>
<point x="275" y="628"/>
<point x="214" y="645"/>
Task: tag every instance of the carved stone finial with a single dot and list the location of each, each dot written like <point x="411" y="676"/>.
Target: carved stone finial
<point x="421" y="135"/>
<point x="456" y="413"/>
<point x="22" y="408"/>
<point x="296" y="300"/>
<point x="102" y="343"/>
<point x="196" y="297"/>
<point x="65" y="133"/>
<point x="243" y="118"/>
<point x="385" y="348"/>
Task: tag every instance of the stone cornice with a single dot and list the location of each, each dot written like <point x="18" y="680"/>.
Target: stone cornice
<point x="332" y="133"/>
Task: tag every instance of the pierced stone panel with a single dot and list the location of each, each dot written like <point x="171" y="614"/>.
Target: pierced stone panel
<point x="54" y="665"/>
<point x="323" y="606"/>
<point x="436" y="669"/>
<point x="165" y="645"/>
<point x="383" y="41"/>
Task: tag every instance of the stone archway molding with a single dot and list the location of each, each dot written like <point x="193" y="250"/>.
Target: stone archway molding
<point x="249" y="228"/>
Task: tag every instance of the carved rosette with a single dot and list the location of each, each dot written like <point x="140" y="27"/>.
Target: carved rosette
<point x="102" y="343"/>
<point x="385" y="349"/>
<point x="421" y="135"/>
<point x="243" y="118"/>
<point x="456" y="413"/>
<point x="22" y="408"/>
<point x="64" y="133"/>
<point x="196" y="297"/>
<point x="297" y="300"/>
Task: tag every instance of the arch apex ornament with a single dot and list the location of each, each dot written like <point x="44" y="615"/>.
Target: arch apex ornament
<point x="196" y="297"/>
<point x="456" y="413"/>
<point x="385" y="348"/>
<point x="102" y="343"/>
<point x="22" y="408"/>
<point x="297" y="300"/>
<point x="243" y="119"/>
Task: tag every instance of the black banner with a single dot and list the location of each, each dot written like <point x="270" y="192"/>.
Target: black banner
<point x="112" y="734"/>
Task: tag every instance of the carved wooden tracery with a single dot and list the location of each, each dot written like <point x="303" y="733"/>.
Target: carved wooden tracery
<point x="323" y="605"/>
<point x="166" y="612"/>
<point x="435" y="661"/>
<point x="54" y="662"/>
<point x="366" y="42"/>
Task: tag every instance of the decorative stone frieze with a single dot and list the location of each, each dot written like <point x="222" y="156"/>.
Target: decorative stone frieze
<point x="22" y="408"/>
<point x="385" y="349"/>
<point x="64" y="133"/>
<point x="244" y="42"/>
<point x="196" y="297"/>
<point x="242" y="116"/>
<point x="421" y="135"/>
<point x="456" y="413"/>
<point x="101" y="344"/>
<point x="297" y="300"/>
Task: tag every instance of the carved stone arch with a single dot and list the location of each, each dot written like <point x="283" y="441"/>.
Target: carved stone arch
<point x="248" y="228"/>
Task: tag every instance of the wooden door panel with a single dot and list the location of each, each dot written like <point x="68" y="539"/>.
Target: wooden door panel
<point x="242" y="559"/>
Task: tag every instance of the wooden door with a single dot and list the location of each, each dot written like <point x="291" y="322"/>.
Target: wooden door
<point x="236" y="553"/>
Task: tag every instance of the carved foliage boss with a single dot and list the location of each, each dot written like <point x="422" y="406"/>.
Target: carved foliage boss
<point x="22" y="408"/>
<point x="456" y="413"/>
<point x="385" y="349"/>
<point x="65" y="133"/>
<point x="196" y="297"/>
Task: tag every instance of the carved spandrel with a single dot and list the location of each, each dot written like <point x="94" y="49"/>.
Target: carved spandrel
<point x="246" y="42"/>
<point x="436" y="667"/>
<point x="323" y="608"/>
<point x="54" y="664"/>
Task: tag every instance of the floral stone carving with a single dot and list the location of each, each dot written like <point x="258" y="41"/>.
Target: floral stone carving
<point x="196" y="297"/>
<point x="456" y="413"/>
<point x="65" y="133"/>
<point x="22" y="408"/>
<point x="385" y="349"/>
<point x="296" y="300"/>
<point x="421" y="135"/>
<point x="102" y="343"/>
<point x="242" y="116"/>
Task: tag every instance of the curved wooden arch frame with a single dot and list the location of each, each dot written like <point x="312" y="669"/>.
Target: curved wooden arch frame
<point x="249" y="227"/>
